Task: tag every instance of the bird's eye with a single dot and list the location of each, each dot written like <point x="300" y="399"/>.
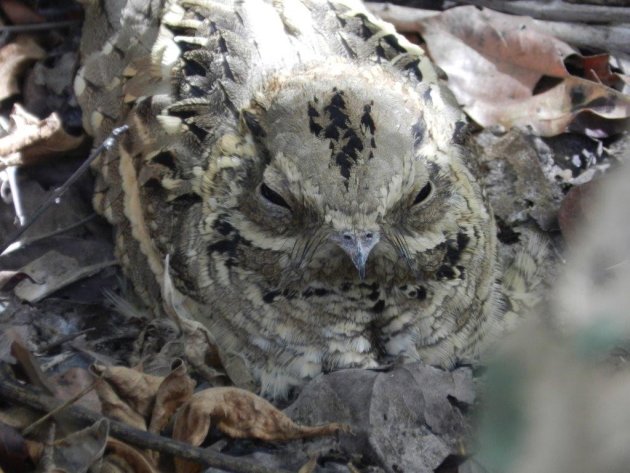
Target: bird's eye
<point x="424" y="193"/>
<point x="272" y="196"/>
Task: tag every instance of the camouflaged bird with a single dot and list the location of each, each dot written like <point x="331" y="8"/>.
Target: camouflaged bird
<point x="304" y="171"/>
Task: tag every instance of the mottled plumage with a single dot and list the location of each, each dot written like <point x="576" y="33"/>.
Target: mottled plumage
<point x="305" y="173"/>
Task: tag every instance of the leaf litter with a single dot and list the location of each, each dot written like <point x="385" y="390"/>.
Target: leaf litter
<point x="505" y="72"/>
<point x="516" y="78"/>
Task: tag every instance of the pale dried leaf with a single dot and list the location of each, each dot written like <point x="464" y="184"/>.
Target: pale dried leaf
<point x="494" y="63"/>
<point x="239" y="414"/>
<point x="126" y="394"/>
<point x="56" y="270"/>
<point x="31" y="140"/>
<point x="14" y="57"/>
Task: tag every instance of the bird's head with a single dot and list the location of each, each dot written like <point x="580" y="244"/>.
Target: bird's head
<point x="355" y="174"/>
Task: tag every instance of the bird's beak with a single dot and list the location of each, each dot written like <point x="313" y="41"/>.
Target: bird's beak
<point x="357" y="245"/>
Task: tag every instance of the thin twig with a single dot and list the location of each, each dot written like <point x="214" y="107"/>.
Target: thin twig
<point x="64" y="339"/>
<point x="57" y="193"/>
<point x="29" y="241"/>
<point x="30" y="428"/>
<point x="11" y="392"/>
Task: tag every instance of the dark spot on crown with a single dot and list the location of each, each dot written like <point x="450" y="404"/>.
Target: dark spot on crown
<point x="462" y="272"/>
<point x="312" y="111"/>
<point x="367" y="123"/>
<point x="345" y="164"/>
<point x="354" y="144"/>
<point x="270" y="296"/>
<point x="379" y="307"/>
<point x="421" y="293"/>
<point x="315" y="128"/>
<point x="331" y="132"/>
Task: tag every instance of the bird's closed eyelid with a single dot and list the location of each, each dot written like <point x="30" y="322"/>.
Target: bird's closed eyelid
<point x="425" y="194"/>
<point x="272" y="196"/>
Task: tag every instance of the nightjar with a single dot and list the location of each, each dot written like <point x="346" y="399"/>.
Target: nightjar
<point x="306" y="175"/>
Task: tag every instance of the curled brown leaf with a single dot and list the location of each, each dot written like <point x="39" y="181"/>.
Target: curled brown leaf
<point x="126" y="394"/>
<point x="239" y="414"/>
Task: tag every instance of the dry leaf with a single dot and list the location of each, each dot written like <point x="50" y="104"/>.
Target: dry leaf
<point x="495" y="63"/>
<point x="239" y="414"/>
<point x="81" y="450"/>
<point x="14" y="57"/>
<point x="126" y="394"/>
<point x="30" y="365"/>
<point x="56" y="270"/>
<point x="175" y="390"/>
<point x="123" y="457"/>
<point x="31" y="140"/>
<point x="72" y="382"/>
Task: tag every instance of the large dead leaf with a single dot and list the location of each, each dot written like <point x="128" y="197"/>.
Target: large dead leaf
<point x="410" y="417"/>
<point x="239" y="414"/>
<point x="127" y="394"/>
<point x="54" y="270"/>
<point x="31" y="140"/>
<point x="14" y="57"/>
<point x="81" y="450"/>
<point x="495" y="63"/>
